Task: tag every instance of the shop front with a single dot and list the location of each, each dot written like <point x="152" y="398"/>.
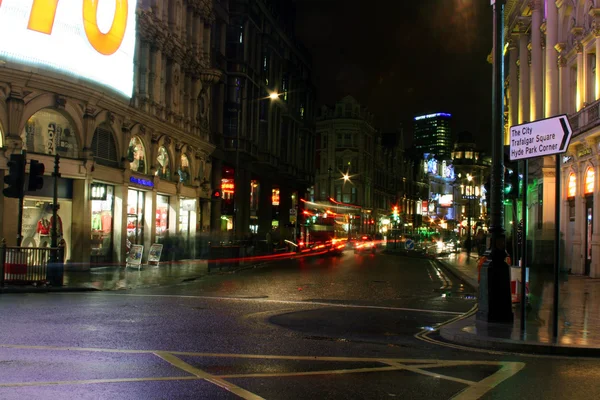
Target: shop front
<point x="102" y="198"/>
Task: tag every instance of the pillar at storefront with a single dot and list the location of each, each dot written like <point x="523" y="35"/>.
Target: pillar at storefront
<point x="120" y="223"/>
<point x="265" y="207"/>
<point x="285" y="204"/>
<point x="578" y="262"/>
<point x="552" y="82"/>
<point x="150" y="218"/>
<point x="523" y="74"/>
<point x="595" y="13"/>
<point x="81" y="224"/>
<point x="537" y="106"/>
<point x="595" y="265"/>
<point x="563" y="74"/>
<point x="215" y="204"/>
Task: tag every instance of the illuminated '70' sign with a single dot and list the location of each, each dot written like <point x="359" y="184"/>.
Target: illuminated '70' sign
<point x="43" y="13"/>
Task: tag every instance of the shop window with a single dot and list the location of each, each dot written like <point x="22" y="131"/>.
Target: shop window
<point x="187" y="216"/>
<point x="164" y="170"/>
<point x="590" y="176"/>
<point x="162" y="216"/>
<point x="50" y="132"/>
<point x="572" y="185"/>
<point x="135" y="217"/>
<point x="136" y="155"/>
<point x="184" y="170"/>
<point x="102" y="222"/>
<point x="104" y="147"/>
<point x="38" y="222"/>
<point x="275" y="196"/>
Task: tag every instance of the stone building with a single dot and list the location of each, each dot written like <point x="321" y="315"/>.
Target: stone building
<point x="553" y="59"/>
<point x="130" y="120"/>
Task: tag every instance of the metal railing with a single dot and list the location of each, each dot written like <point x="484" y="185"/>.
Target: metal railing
<point x="30" y="265"/>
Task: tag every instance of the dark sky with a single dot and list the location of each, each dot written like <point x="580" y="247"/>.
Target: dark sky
<point x="402" y="58"/>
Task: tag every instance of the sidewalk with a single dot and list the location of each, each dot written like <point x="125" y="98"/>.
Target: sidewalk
<point x="579" y="320"/>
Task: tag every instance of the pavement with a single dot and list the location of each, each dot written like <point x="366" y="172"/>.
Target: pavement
<point x="578" y="325"/>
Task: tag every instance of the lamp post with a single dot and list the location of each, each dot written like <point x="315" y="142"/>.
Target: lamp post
<point x="470" y="200"/>
<point x="330" y="170"/>
<point x="236" y="199"/>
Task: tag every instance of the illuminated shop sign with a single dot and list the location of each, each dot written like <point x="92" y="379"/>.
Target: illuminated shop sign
<point x="428" y="116"/>
<point x="227" y="186"/>
<point x="446" y="200"/>
<point x="99" y="191"/>
<point x="141" y="182"/>
<point x="90" y="39"/>
<point x="275" y="197"/>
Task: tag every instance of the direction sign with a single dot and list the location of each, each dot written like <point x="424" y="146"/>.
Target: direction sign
<point x="540" y="138"/>
<point x="409" y="244"/>
<point x="292" y="211"/>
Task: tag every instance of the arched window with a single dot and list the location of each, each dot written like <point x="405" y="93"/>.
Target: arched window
<point x="1" y="138"/>
<point x="184" y="170"/>
<point x="104" y="146"/>
<point x="590" y="176"/>
<point x="572" y="185"/>
<point x="164" y="169"/>
<point x="136" y="155"/>
<point x="50" y="132"/>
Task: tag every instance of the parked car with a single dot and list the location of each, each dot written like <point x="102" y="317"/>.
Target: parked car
<point x="365" y="243"/>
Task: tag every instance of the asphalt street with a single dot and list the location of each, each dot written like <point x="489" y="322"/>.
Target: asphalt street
<point x="354" y="326"/>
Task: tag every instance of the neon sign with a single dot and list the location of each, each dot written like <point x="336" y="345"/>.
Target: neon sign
<point x="141" y="182"/>
<point x="90" y="39"/>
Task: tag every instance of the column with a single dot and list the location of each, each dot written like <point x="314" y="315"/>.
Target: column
<point x="537" y="107"/>
<point x="215" y="204"/>
<point x="81" y="224"/>
<point x="265" y="207"/>
<point x="285" y="204"/>
<point x="552" y="84"/>
<point x="120" y="224"/>
<point x="597" y="83"/>
<point x="564" y="78"/>
<point x="580" y="78"/>
<point x="242" y="203"/>
<point x="143" y="63"/>
<point x="156" y="74"/>
<point x="524" y="77"/>
<point x="589" y="94"/>
<point x="513" y="88"/>
<point x="578" y="262"/>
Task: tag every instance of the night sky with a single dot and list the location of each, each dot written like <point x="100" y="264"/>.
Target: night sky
<point x="402" y="58"/>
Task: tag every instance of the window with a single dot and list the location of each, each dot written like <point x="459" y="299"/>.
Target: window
<point x="590" y="176"/>
<point x="184" y="170"/>
<point x="164" y="169"/>
<point x="572" y="185"/>
<point x="347" y="139"/>
<point x="50" y="132"/>
<point x="136" y="155"/>
<point x="104" y="147"/>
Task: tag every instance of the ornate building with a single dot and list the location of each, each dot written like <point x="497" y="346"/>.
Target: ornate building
<point x="263" y="122"/>
<point x="132" y="126"/>
<point x="553" y="61"/>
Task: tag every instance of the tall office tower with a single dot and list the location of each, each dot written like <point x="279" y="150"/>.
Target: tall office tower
<point x="433" y="134"/>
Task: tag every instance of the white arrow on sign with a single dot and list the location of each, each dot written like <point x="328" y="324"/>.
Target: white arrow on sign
<point x="540" y="138"/>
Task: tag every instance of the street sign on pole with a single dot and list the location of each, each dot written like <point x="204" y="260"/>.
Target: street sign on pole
<point x="540" y="138"/>
<point x="292" y="211"/>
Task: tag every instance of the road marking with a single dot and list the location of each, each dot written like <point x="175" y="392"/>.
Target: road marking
<point x="473" y="391"/>
<point x="179" y="363"/>
<point x="446" y="283"/>
<point x="296" y="302"/>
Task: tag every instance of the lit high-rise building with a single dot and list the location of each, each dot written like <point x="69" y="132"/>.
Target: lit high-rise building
<point x="433" y="134"/>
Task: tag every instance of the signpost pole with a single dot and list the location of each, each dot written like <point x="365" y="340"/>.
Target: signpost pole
<point x="524" y="246"/>
<point x="556" y="249"/>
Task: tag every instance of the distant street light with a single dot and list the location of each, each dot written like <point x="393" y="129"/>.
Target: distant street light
<point x="274" y="96"/>
<point x="346" y="177"/>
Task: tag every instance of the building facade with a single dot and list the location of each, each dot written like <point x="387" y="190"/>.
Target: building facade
<point x="553" y="59"/>
<point x="433" y="134"/>
<point x="135" y="154"/>
<point x="263" y="119"/>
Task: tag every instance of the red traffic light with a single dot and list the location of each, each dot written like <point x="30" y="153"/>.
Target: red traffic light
<point x="216" y="194"/>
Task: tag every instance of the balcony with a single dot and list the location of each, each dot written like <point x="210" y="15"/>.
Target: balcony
<point x="586" y="118"/>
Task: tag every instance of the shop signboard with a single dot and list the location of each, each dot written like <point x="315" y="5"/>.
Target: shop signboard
<point x="155" y="253"/>
<point x="135" y="255"/>
<point x="89" y="39"/>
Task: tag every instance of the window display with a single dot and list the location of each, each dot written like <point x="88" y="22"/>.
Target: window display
<point x="135" y="217"/>
<point x="136" y="155"/>
<point x="164" y="170"/>
<point x="49" y="132"/>
<point x="38" y="223"/>
<point x="102" y="222"/>
<point x="162" y="216"/>
<point x="184" y="170"/>
<point x="187" y="210"/>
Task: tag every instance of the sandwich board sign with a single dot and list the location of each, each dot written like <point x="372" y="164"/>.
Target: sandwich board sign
<point x="155" y="253"/>
<point x="540" y="138"/>
<point x="135" y="256"/>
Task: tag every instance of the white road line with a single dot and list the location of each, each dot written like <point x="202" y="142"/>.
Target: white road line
<point x="179" y="363"/>
<point x="96" y="381"/>
<point x="296" y="302"/>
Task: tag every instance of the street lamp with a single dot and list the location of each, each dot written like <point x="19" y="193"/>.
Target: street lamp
<point x="272" y="96"/>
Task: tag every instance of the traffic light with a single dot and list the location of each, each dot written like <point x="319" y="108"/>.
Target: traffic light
<point x="511" y="183"/>
<point x="16" y="176"/>
<point x="36" y="175"/>
<point x="217" y="195"/>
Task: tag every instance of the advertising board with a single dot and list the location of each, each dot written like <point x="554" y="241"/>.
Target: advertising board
<point x="88" y="39"/>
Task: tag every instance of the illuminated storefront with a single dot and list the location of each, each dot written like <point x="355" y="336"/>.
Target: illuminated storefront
<point x="102" y="199"/>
